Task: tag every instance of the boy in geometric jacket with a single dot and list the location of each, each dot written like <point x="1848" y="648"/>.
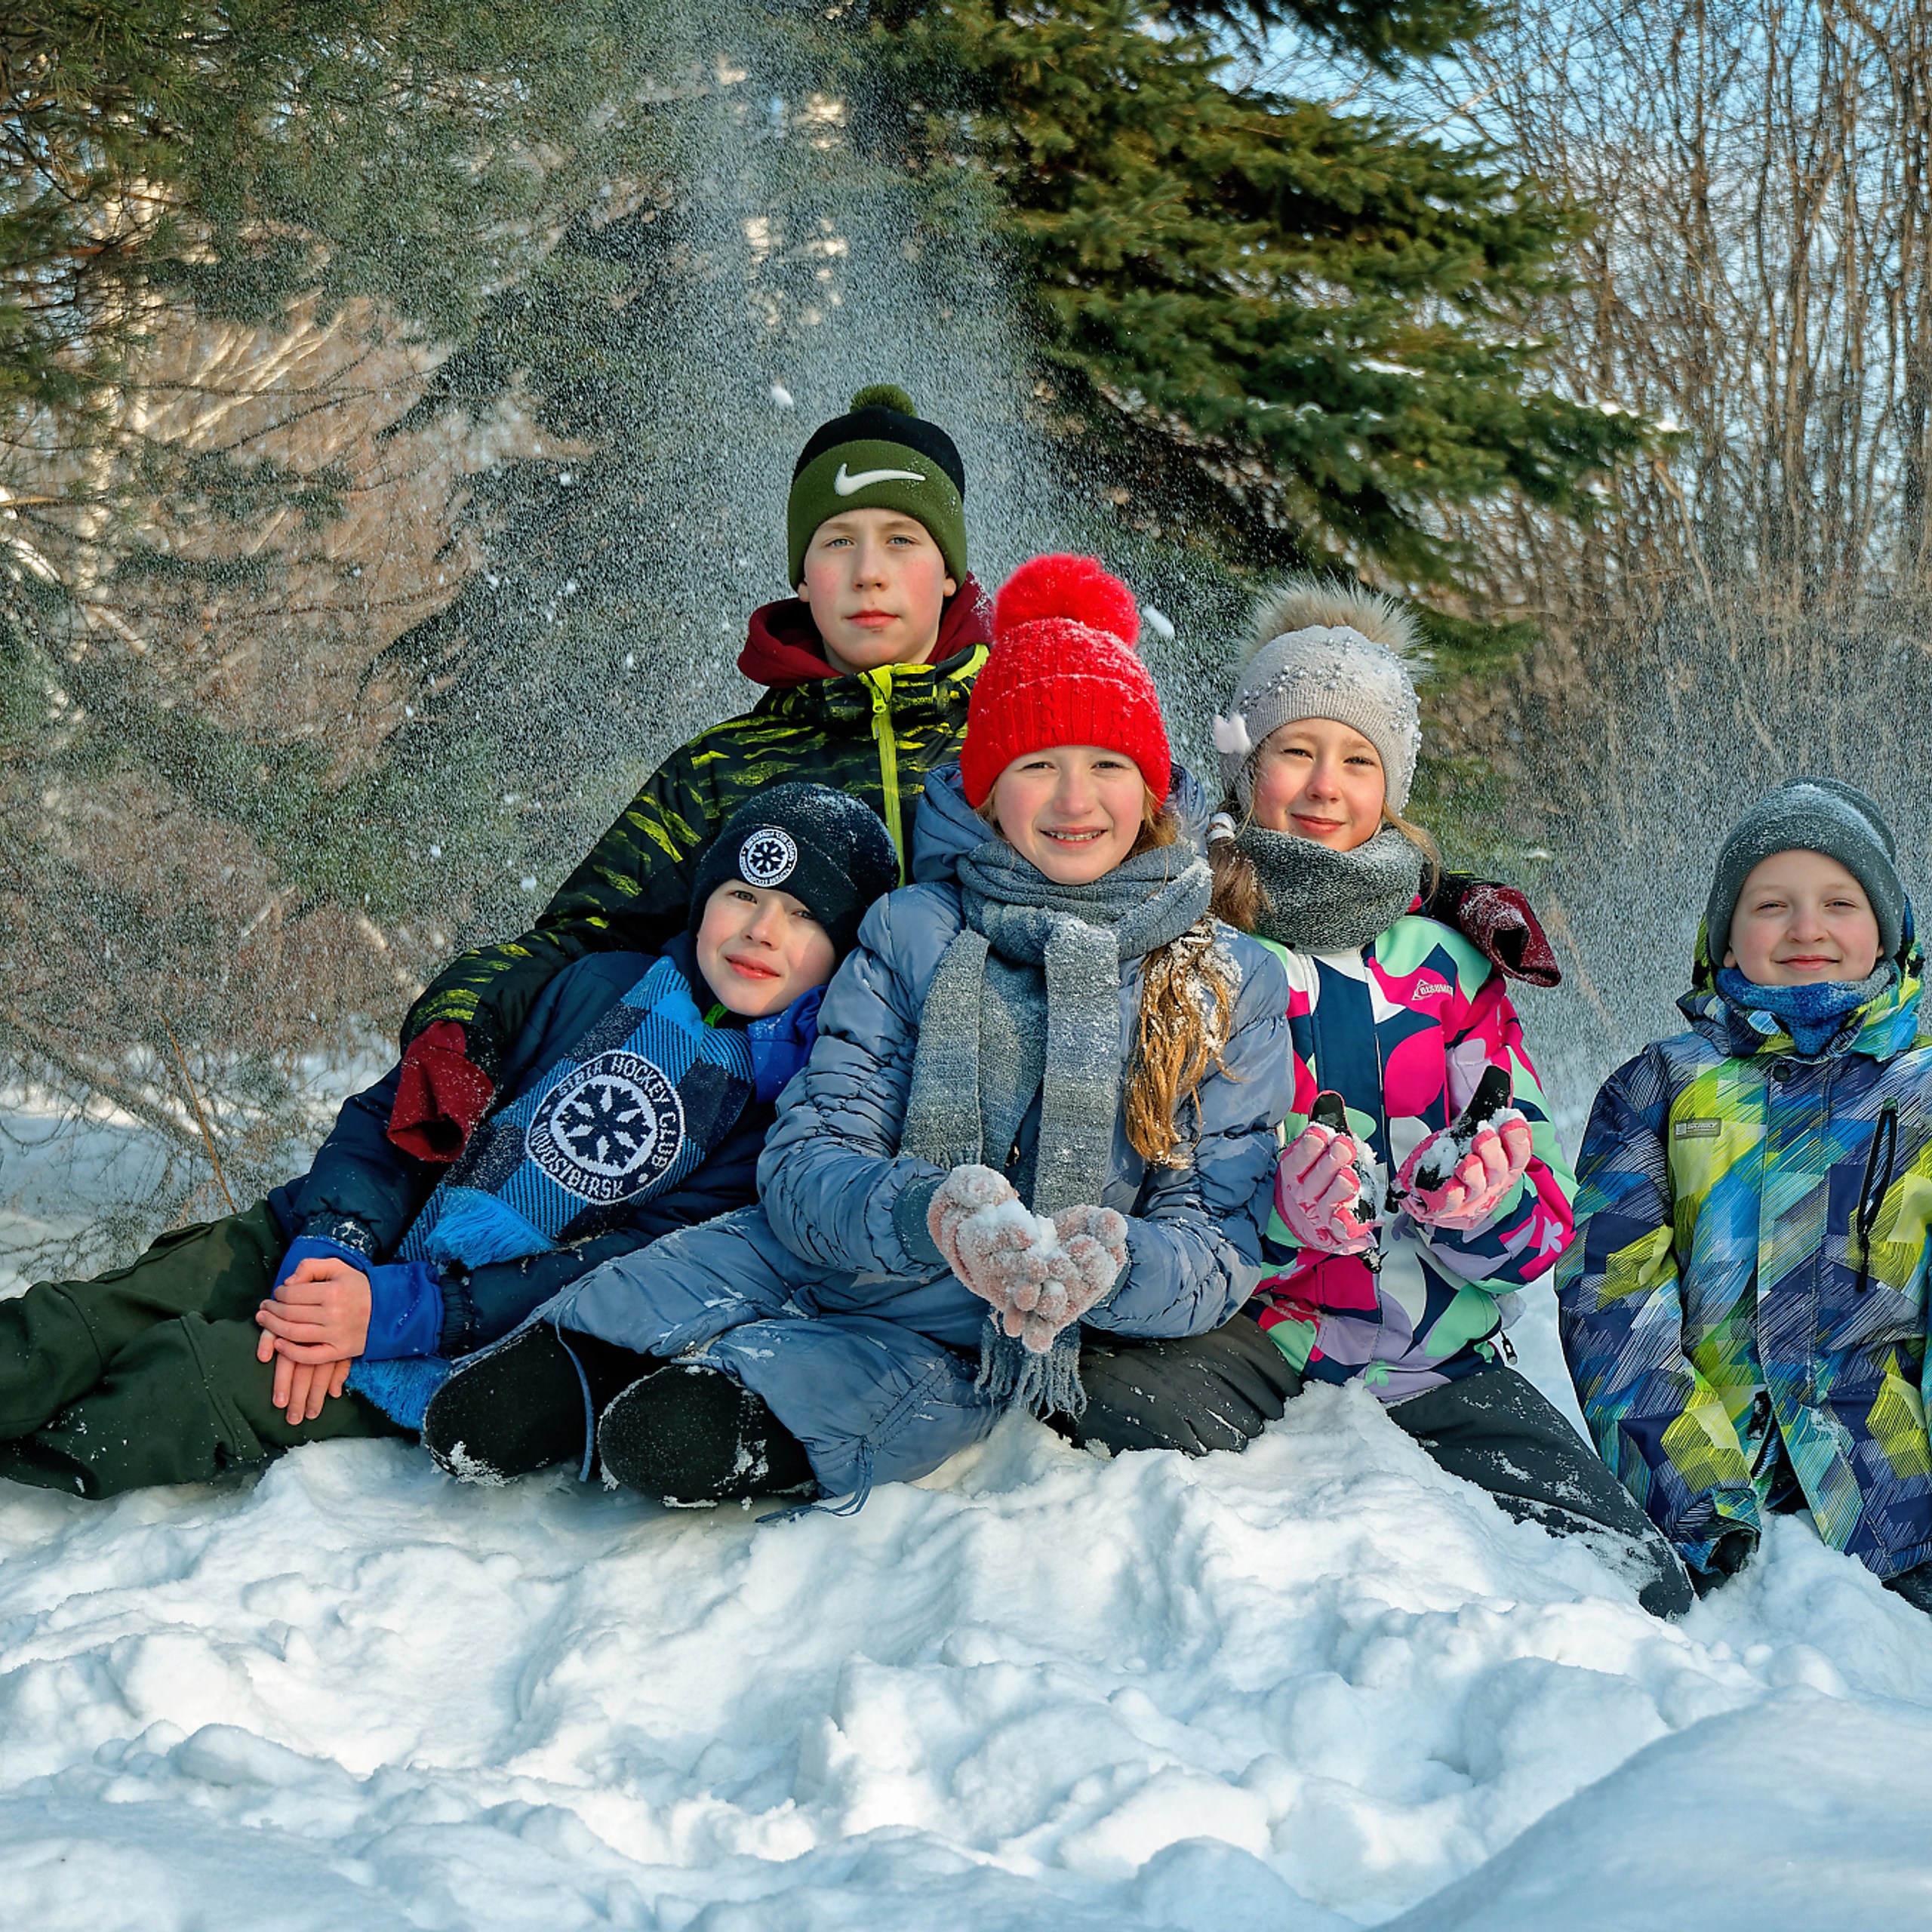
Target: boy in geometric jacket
<point x="1744" y="1308"/>
<point x="636" y="1101"/>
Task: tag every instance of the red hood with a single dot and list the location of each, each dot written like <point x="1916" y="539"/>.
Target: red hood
<point x="783" y="647"/>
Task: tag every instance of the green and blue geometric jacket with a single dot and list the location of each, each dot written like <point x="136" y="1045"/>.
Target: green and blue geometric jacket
<point x="1744" y="1309"/>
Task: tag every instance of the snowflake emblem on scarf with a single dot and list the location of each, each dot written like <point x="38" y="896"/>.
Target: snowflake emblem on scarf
<point x="768" y="857"/>
<point x="611" y="1131"/>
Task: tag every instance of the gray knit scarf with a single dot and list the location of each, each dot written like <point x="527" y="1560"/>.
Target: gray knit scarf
<point x="1026" y="1001"/>
<point x="1320" y="900"/>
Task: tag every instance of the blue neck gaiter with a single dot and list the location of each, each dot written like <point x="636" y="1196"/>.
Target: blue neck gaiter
<point x="1812" y="1015"/>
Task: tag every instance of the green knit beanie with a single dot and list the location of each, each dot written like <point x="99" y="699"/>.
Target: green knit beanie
<point x="881" y="455"/>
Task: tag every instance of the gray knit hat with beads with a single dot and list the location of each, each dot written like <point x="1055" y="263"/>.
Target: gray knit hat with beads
<point x="1324" y="650"/>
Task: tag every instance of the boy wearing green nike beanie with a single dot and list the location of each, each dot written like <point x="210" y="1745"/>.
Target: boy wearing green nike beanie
<point x="875" y="531"/>
<point x="867" y="670"/>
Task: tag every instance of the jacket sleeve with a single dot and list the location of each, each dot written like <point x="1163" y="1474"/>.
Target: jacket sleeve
<point x="632" y="893"/>
<point x="1657" y="1423"/>
<point x="833" y="1184"/>
<point x="481" y="1304"/>
<point x="1194" y="1238"/>
<point x="1534" y="1224"/>
<point x="362" y="1190"/>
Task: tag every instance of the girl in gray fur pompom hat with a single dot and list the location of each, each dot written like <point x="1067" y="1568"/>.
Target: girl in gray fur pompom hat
<point x="1420" y="1185"/>
<point x="1321" y="650"/>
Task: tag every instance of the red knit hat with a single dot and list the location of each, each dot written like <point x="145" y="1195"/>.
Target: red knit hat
<point x="1062" y="671"/>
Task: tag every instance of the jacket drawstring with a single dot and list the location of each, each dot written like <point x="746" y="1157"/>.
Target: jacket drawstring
<point x="1761" y="1418"/>
<point x="1871" y="1199"/>
<point x="589" y="1404"/>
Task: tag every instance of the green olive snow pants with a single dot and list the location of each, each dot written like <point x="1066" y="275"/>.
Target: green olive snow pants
<point x="147" y="1375"/>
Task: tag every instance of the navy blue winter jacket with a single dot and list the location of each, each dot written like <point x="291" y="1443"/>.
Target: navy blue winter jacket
<point x="364" y="1190"/>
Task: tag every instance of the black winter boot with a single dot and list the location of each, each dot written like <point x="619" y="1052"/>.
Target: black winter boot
<point x="690" y="1435"/>
<point x="1914" y="1586"/>
<point x="520" y="1407"/>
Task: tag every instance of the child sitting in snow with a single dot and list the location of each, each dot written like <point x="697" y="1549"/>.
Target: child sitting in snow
<point x="867" y="671"/>
<point x="1397" y="1230"/>
<point x="1744" y="1310"/>
<point x="635" y="1100"/>
<point x="1042" y="1103"/>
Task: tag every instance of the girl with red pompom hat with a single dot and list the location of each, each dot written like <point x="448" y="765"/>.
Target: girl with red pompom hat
<point x="1042" y="1105"/>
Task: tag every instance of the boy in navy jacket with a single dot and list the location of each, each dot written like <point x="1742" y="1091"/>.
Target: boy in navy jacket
<point x="635" y="1100"/>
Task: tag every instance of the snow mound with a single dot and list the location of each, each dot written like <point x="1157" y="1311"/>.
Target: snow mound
<point x="1319" y="1685"/>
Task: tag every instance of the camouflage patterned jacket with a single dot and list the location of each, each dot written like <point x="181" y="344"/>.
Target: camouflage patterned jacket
<point x="875" y="735"/>
<point x="1744" y="1308"/>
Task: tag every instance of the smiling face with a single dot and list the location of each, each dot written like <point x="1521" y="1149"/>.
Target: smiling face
<point x="1802" y="920"/>
<point x="1073" y="810"/>
<point x="759" y="949"/>
<point x="1321" y="780"/>
<point x="877" y="586"/>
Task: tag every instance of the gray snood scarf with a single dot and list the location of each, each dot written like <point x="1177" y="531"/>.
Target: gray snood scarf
<point x="1026" y="1001"/>
<point x="1320" y="901"/>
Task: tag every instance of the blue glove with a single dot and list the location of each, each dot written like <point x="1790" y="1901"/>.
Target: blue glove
<point x="405" y="1311"/>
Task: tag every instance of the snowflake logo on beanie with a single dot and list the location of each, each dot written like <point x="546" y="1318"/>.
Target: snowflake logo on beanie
<point x="768" y="857"/>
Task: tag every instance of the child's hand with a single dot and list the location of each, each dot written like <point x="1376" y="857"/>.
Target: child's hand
<point x="320" y="1314"/>
<point x="1457" y="1182"/>
<point x="302" y="1387"/>
<point x="1324" y="1192"/>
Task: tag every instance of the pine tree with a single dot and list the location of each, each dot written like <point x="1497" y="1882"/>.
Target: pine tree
<point x="1322" y="312"/>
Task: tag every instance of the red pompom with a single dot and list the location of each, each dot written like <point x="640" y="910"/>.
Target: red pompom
<point x="1067" y="586"/>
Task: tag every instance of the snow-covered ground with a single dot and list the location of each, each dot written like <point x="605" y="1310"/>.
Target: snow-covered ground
<point x="1316" y="1686"/>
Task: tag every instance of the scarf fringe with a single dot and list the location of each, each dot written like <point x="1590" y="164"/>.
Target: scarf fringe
<point x="1011" y="1375"/>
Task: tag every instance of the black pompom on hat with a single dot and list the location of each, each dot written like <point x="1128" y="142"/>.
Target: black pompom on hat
<point x="823" y="847"/>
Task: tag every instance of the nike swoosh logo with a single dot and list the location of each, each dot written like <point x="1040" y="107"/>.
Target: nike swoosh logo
<point x="848" y="485"/>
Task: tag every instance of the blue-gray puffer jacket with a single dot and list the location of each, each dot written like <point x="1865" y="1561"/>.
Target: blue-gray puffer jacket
<point x="839" y="1315"/>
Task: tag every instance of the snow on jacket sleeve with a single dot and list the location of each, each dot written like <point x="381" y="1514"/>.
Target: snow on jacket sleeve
<point x="831" y="1175"/>
<point x="1535" y="1223"/>
<point x="1657" y="1423"/>
<point x="1194" y="1236"/>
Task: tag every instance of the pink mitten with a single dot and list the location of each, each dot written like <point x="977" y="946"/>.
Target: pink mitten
<point x="1102" y="1225"/>
<point x="1458" y="1177"/>
<point x="991" y="1242"/>
<point x="1324" y="1192"/>
<point x="961" y="1195"/>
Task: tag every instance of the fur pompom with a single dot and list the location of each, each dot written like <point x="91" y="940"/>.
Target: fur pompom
<point x="1067" y="586"/>
<point x="1231" y="735"/>
<point x="1308" y="603"/>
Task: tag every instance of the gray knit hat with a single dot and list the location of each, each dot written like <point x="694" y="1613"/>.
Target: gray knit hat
<point x="1321" y="650"/>
<point x="1811" y="815"/>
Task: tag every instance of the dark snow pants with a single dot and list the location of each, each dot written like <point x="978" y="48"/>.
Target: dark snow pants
<point x="147" y="1374"/>
<point x="1493" y="1428"/>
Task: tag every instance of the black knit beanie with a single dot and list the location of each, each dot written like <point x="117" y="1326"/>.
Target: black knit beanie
<point x="820" y="845"/>
<point x="1812" y="815"/>
<point x="880" y="455"/>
